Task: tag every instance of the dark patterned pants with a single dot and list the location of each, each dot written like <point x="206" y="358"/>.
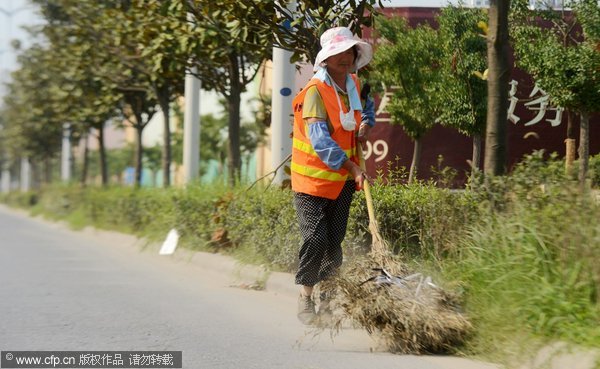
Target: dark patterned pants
<point x="323" y="227"/>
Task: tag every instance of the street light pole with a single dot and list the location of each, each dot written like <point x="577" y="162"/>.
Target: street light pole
<point x="191" y="128"/>
<point x="65" y="164"/>
<point x="25" y="174"/>
<point x="284" y="73"/>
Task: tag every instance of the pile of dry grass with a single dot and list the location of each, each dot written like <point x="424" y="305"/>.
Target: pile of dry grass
<point x="408" y="315"/>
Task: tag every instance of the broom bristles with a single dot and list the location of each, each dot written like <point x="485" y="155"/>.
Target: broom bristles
<point x="380" y="249"/>
<point x="408" y="318"/>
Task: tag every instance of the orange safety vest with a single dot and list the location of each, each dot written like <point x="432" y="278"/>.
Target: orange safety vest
<point x="310" y="174"/>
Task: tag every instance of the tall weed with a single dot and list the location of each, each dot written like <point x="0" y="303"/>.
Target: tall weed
<point x="533" y="263"/>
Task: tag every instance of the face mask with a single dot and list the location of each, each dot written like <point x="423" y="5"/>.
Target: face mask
<point x="347" y="119"/>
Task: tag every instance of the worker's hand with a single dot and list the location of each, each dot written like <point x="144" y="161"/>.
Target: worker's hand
<point x="363" y="135"/>
<point x="357" y="173"/>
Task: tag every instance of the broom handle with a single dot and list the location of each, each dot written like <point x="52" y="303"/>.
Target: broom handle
<point x="367" y="187"/>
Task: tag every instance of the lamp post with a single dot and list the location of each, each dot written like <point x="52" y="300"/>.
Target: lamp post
<point x="65" y="157"/>
<point x="191" y="128"/>
<point x="284" y="74"/>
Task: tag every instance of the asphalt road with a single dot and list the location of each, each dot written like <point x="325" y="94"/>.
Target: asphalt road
<point x="80" y="291"/>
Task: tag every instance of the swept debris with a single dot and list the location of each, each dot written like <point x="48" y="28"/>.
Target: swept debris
<point x="405" y="312"/>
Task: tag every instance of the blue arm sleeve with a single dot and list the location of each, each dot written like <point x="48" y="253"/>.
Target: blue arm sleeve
<point x="368" y="113"/>
<point x="325" y="147"/>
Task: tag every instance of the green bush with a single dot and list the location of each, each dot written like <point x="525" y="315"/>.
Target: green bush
<point x="21" y="199"/>
<point x="417" y="220"/>
<point x="533" y="260"/>
<point x="264" y="224"/>
<point x="595" y="170"/>
<point x="194" y="215"/>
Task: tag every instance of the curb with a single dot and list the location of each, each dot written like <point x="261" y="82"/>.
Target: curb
<point x="239" y="274"/>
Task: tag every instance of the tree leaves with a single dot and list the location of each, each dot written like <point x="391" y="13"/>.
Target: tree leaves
<point x="408" y="59"/>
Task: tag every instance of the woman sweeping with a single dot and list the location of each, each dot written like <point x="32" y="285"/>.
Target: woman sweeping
<point x="329" y="121"/>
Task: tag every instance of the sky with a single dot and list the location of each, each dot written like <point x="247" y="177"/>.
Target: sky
<point x="14" y="14"/>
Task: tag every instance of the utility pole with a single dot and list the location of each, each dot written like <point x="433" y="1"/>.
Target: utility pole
<point x="65" y="157"/>
<point x="284" y="79"/>
<point x="25" y="175"/>
<point x="5" y="184"/>
<point x="5" y="174"/>
<point x="191" y="128"/>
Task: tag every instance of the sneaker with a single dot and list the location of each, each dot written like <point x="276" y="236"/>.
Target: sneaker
<point x="306" y="309"/>
<point x="325" y="314"/>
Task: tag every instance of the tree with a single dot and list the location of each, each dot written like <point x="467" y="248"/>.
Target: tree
<point x="464" y="89"/>
<point x="300" y="30"/>
<point x="563" y="56"/>
<point x="132" y="49"/>
<point x="33" y="125"/>
<point x="84" y="96"/>
<point x="498" y="78"/>
<point x="160" y="30"/>
<point x="233" y="38"/>
<point x="408" y="61"/>
<point x="228" y="52"/>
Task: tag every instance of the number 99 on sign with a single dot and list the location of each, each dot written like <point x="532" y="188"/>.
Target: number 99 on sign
<point x="379" y="148"/>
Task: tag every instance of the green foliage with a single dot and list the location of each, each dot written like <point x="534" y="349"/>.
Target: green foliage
<point x="196" y="215"/>
<point x="418" y="220"/>
<point x="533" y="262"/>
<point x="300" y="29"/>
<point x="595" y="171"/>
<point x="33" y="123"/>
<point x="264" y="222"/>
<point x="407" y="61"/>
<point x="464" y="102"/>
<point x="561" y="57"/>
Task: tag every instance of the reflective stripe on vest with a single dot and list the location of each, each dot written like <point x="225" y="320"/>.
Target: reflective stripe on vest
<point x="308" y="149"/>
<point x="318" y="173"/>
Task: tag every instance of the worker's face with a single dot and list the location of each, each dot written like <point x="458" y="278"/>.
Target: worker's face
<point x="342" y="62"/>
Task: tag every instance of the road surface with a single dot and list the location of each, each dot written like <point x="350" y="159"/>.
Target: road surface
<point x="83" y="291"/>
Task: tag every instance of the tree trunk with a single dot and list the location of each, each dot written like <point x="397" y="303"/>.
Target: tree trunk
<point x="139" y="150"/>
<point x="102" y="152"/>
<point x="584" y="147"/>
<point x="34" y="179"/>
<point x="498" y="76"/>
<point x="416" y="159"/>
<point x="570" y="143"/>
<point x="163" y="101"/>
<point x="476" y="159"/>
<point x="85" y="161"/>
<point x="47" y="170"/>
<point x="234" y="161"/>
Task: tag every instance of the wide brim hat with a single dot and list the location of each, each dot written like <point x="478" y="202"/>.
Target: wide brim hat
<point x="339" y="39"/>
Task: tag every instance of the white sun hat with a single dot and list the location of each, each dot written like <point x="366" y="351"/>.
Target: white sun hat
<point x="339" y="39"/>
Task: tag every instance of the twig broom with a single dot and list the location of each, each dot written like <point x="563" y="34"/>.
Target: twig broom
<point x="404" y="311"/>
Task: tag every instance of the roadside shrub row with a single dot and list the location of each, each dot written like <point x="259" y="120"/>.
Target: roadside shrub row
<point x="529" y="265"/>
<point x="418" y="220"/>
